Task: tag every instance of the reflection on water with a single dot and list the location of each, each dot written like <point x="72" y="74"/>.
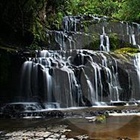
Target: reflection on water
<point x="111" y="129"/>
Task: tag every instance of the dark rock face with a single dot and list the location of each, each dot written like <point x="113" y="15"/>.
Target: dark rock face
<point x="125" y="84"/>
<point x="70" y="75"/>
<point x="10" y="66"/>
<point x="85" y="32"/>
<point x="87" y="78"/>
<point x="104" y="83"/>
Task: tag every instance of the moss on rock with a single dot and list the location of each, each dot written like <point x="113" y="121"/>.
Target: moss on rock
<point x="127" y="50"/>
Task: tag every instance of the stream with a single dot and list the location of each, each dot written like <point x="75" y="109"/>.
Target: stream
<point x="113" y="128"/>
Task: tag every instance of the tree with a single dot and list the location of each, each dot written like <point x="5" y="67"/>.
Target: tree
<point x="130" y="10"/>
<point x="20" y="20"/>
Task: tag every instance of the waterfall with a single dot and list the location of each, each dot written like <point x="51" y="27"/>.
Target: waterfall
<point x="137" y="67"/>
<point x="72" y="76"/>
<point x="25" y="85"/>
<point x="104" y="42"/>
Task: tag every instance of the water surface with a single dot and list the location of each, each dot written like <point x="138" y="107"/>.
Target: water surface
<point x="125" y="127"/>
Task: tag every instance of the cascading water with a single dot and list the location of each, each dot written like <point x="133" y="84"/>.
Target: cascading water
<point x="70" y="76"/>
<point x="137" y="80"/>
<point x="104" y="42"/>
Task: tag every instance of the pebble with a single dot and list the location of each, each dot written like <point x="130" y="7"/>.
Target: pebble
<point x="49" y="133"/>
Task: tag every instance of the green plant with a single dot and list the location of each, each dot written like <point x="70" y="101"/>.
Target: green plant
<point x="129" y="10"/>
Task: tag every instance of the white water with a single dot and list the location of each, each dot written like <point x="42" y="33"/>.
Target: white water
<point x="74" y="77"/>
<point x="104" y="41"/>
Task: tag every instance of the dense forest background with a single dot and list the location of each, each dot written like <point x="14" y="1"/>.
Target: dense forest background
<point x="23" y="23"/>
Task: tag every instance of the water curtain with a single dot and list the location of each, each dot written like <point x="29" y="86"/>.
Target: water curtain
<point x="70" y="74"/>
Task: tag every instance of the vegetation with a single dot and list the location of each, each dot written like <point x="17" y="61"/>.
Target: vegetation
<point x="21" y="21"/>
<point x="127" y="50"/>
<point x="129" y="10"/>
<point x="120" y="9"/>
<point x="24" y="23"/>
<point x="101" y="118"/>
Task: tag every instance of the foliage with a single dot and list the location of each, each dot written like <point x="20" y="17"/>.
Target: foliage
<point x="26" y="21"/>
<point x="120" y="9"/>
<point x="21" y="19"/>
<point x="56" y="10"/>
<point x="129" y="10"/>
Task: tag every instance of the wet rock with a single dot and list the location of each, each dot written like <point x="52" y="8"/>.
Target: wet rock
<point x="118" y="103"/>
<point x="124" y="80"/>
<point x="54" y="114"/>
<point x="52" y="133"/>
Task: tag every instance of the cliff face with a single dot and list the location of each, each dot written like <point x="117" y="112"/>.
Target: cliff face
<point x="70" y="78"/>
<point x="10" y="66"/>
<point x="79" y="65"/>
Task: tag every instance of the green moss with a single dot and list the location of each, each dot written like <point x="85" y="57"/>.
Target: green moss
<point x="114" y="41"/>
<point x="100" y="118"/>
<point x="125" y="54"/>
<point x="127" y="50"/>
